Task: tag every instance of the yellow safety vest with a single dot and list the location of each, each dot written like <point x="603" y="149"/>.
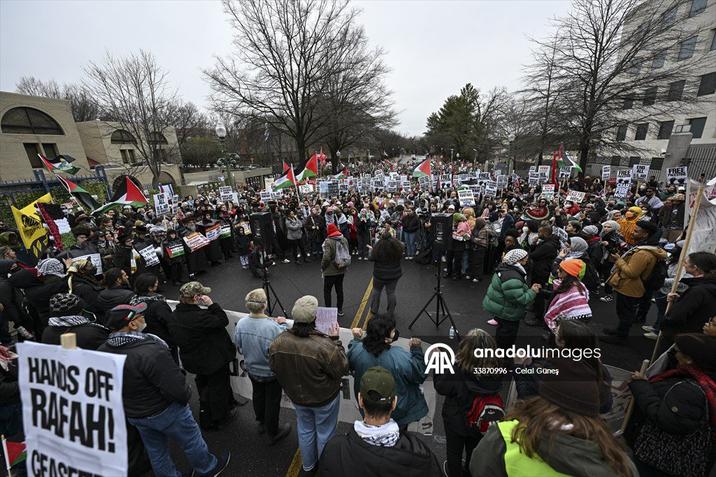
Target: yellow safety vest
<point x="518" y="464"/>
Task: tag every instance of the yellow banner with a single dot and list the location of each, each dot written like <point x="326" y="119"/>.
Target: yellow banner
<point x="29" y="224"/>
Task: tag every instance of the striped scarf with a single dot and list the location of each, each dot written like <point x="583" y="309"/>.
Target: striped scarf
<point x="570" y="305"/>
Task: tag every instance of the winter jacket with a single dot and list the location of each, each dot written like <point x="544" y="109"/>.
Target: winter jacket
<point x="39" y="296"/>
<point x="309" y="369"/>
<point x="204" y="345"/>
<point x="111" y="297"/>
<point x="294" y="229"/>
<point x="460" y="390"/>
<point x="408" y="370"/>
<point x="89" y="335"/>
<point x="88" y="290"/>
<point x="411" y="224"/>
<point x="152" y="380"/>
<point x="328" y="264"/>
<point x="565" y="455"/>
<point x="693" y="309"/>
<point x="542" y="258"/>
<point x="386" y="270"/>
<point x="158" y="316"/>
<point x="508" y="295"/>
<point x="348" y="455"/>
<point x="8" y="297"/>
<point x="633" y="268"/>
<point x="253" y="336"/>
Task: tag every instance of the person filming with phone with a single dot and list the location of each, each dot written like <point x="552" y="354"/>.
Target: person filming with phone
<point x="199" y="330"/>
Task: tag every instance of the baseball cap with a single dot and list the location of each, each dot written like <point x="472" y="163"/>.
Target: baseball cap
<point x="377" y="384"/>
<point x="191" y="289"/>
<point x="119" y="316"/>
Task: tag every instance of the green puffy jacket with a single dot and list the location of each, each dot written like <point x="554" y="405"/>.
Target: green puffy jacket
<point x="508" y="295"/>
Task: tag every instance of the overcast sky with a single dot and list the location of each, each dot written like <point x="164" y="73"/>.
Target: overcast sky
<point x="433" y="47"/>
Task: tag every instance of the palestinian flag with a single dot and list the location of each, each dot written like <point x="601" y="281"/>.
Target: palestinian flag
<point x="60" y="164"/>
<point x="15" y="452"/>
<point x="285" y="181"/>
<point x="309" y="170"/>
<point x="285" y="167"/>
<point x="127" y="194"/>
<point x="565" y="162"/>
<point x="56" y="222"/>
<point x="82" y="196"/>
<point x="343" y="174"/>
<point x="321" y="157"/>
<point x="423" y="170"/>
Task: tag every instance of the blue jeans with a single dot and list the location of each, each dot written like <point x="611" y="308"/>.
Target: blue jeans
<point x="175" y="422"/>
<point x="315" y="426"/>
<point x="409" y="238"/>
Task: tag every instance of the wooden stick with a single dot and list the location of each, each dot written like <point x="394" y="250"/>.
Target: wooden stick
<point x="68" y="341"/>
<point x="630" y="408"/>
<point x="682" y="257"/>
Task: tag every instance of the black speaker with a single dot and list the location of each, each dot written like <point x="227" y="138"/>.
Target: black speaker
<point x="442" y="228"/>
<point x="262" y="228"/>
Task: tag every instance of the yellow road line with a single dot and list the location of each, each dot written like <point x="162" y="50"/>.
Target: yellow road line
<point x="296" y="465"/>
<point x="368" y="316"/>
<point x="363" y="302"/>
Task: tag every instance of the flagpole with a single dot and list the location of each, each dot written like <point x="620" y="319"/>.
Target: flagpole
<point x="295" y="183"/>
<point x="7" y="458"/>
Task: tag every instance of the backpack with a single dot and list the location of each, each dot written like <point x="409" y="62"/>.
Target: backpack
<point x="658" y="276"/>
<point x="485" y="411"/>
<point x="343" y="255"/>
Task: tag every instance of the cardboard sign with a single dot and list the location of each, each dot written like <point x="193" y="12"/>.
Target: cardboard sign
<point x="533" y="178"/>
<point x="149" y="254"/>
<point x="323" y="188"/>
<point x="622" y="190"/>
<point x="606" y="172"/>
<point x="547" y="192"/>
<point x="640" y="172"/>
<point x="491" y="189"/>
<point x="212" y="233"/>
<point x="677" y="175"/>
<point x="624" y="176"/>
<point x="96" y="260"/>
<point x="265" y="196"/>
<point x="502" y="181"/>
<point x="196" y="241"/>
<point x="543" y="172"/>
<point x="466" y="197"/>
<point x="575" y="196"/>
<point x="72" y="410"/>
<point x="306" y="188"/>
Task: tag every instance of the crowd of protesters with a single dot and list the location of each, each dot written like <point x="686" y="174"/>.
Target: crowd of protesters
<point x="547" y="259"/>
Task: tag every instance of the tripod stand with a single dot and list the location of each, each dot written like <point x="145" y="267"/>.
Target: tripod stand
<point x="271" y="296"/>
<point x="440" y="305"/>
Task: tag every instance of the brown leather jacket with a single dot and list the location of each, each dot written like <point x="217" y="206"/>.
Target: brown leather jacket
<point x="309" y="369"/>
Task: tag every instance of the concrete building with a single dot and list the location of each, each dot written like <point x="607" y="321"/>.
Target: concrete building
<point x="30" y="125"/>
<point x="685" y="134"/>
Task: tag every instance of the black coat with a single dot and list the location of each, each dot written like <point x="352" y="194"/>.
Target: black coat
<point x="89" y="335"/>
<point x="347" y="455"/>
<point x="204" y="345"/>
<point x="88" y="290"/>
<point x="8" y="299"/>
<point x="39" y="296"/>
<point x="152" y="380"/>
<point x="693" y="309"/>
<point x="460" y="389"/>
<point x="542" y="257"/>
<point x="386" y="270"/>
<point x="158" y="316"/>
<point x="111" y="297"/>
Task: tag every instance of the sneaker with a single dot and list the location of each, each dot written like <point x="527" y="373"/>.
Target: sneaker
<point x="648" y="329"/>
<point x="222" y="462"/>
<point x="475" y="280"/>
<point x="467" y="277"/>
<point x="308" y="254"/>
<point x="283" y="431"/>
<point x="340" y="313"/>
<point x="492" y="322"/>
<point x="651" y="335"/>
<point x="285" y="260"/>
<point x="606" y="298"/>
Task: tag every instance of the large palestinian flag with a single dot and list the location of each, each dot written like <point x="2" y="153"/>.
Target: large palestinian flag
<point x="82" y="196"/>
<point x="60" y="163"/>
<point x="309" y="170"/>
<point x="423" y="170"/>
<point x="126" y="194"/>
<point x="285" y="181"/>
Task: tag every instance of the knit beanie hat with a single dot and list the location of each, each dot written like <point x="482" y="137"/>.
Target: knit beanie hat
<point x="572" y="267"/>
<point x="574" y="389"/>
<point x="700" y="348"/>
<point x="50" y="266"/>
<point x="514" y="256"/>
<point x="62" y="304"/>
<point x="590" y="230"/>
<point x="304" y="310"/>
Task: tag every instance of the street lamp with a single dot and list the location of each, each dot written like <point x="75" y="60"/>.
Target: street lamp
<point x="220" y="131"/>
<point x="451" y="151"/>
<point x="510" y="158"/>
<point x="475" y="150"/>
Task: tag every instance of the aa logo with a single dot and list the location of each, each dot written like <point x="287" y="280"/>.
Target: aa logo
<point x="439" y="358"/>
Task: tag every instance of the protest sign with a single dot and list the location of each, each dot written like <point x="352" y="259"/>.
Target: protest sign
<point x="225" y="193"/>
<point x="624" y="176"/>
<point x="640" y="172"/>
<point x="391" y="186"/>
<point x="677" y="175"/>
<point x="378" y="184"/>
<point x="565" y="172"/>
<point x="424" y="182"/>
<point x="277" y="194"/>
<point x="547" y="191"/>
<point x="606" y="172"/>
<point x="225" y="231"/>
<point x="332" y="188"/>
<point x="72" y="411"/>
<point x="95" y="258"/>
<point x="195" y="241"/>
<point x="378" y="174"/>
<point x="343" y="187"/>
<point x="533" y="169"/>
<point x="306" y="188"/>
<point x="212" y="233"/>
<point x="543" y="173"/>
<point x="325" y="319"/>
<point x="575" y="196"/>
<point x="265" y="196"/>
<point x="149" y="254"/>
<point x="533" y="178"/>
<point x="466" y="197"/>
<point x="484" y="176"/>
<point x="323" y="188"/>
<point x="491" y="189"/>
<point x="622" y="190"/>
<point x="174" y="249"/>
<point x="161" y="204"/>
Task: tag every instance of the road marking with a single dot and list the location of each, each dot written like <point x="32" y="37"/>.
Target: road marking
<point x="363" y="302"/>
<point x="296" y="465"/>
<point x="368" y="316"/>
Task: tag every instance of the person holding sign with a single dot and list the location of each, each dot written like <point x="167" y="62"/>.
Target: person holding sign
<point x="156" y="397"/>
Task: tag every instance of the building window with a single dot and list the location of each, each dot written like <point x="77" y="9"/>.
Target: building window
<point x="125" y="159"/>
<point x="628" y="102"/>
<point x="658" y="61"/>
<point x="641" y="130"/>
<point x="32" y="150"/>
<point x="634" y="67"/>
<point x="50" y="150"/>
<point x="697" y="127"/>
<point x="130" y="154"/>
<point x="707" y="85"/>
<point x="676" y="90"/>
<point x="697" y="6"/>
<point x="157" y="138"/>
<point x="634" y="160"/>
<point x="713" y="40"/>
<point x="120" y="136"/>
<point x="650" y="96"/>
<point x="29" y="121"/>
<point x="687" y="48"/>
<point x="665" y="128"/>
<point x="656" y="163"/>
<point x="621" y="133"/>
<point x="615" y="160"/>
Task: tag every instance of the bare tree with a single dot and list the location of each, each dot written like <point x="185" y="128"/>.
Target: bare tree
<point x="286" y="54"/>
<point x="606" y="53"/>
<point x="134" y="93"/>
<point x="84" y="107"/>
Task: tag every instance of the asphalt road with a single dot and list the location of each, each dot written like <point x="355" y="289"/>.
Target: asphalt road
<point x="250" y="454"/>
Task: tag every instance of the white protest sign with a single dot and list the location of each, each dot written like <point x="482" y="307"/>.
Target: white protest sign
<point x="677" y="175"/>
<point x="543" y="173"/>
<point x="149" y="254"/>
<point x="575" y="196"/>
<point x="533" y="178"/>
<point x="622" y="190"/>
<point x="548" y="191"/>
<point x="96" y="260"/>
<point x="323" y="188"/>
<point x="502" y="181"/>
<point x="606" y="172"/>
<point x="326" y="318"/>
<point x="491" y="189"/>
<point x="624" y="176"/>
<point x="466" y="197"/>
<point x="265" y="195"/>
<point x="640" y="172"/>
<point x="225" y="193"/>
<point x="306" y="188"/>
<point x="161" y="203"/>
<point x="72" y="411"/>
